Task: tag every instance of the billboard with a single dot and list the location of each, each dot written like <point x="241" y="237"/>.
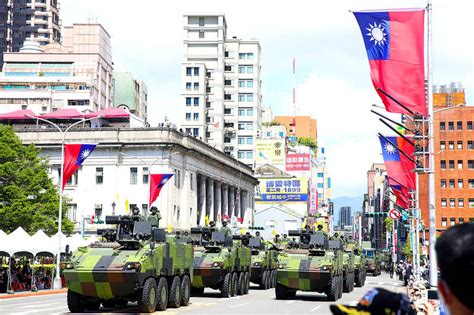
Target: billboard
<point x="284" y="190"/>
<point x="313" y="199"/>
<point x="298" y="162"/>
<point x="270" y="151"/>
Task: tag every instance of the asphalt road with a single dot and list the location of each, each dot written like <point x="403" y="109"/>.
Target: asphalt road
<point x="256" y="302"/>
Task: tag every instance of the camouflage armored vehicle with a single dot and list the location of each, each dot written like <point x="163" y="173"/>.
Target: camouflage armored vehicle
<point x="134" y="263"/>
<point x="220" y="263"/>
<point x="372" y="259"/>
<point x="264" y="263"/>
<point x="313" y="264"/>
<point x="359" y="264"/>
<point x="348" y="269"/>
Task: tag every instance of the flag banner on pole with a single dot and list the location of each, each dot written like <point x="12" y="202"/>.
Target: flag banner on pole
<point x="157" y="181"/>
<point x="74" y="156"/>
<point x="398" y="166"/>
<point x="394" y="41"/>
<point x="401" y="193"/>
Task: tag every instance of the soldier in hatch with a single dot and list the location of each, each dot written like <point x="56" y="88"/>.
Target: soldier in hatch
<point x="225" y="229"/>
<point x="321" y="231"/>
<point x="154" y="217"/>
<point x="136" y="215"/>
<point x="277" y="239"/>
<point x="257" y="235"/>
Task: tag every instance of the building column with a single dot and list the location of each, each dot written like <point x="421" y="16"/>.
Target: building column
<point x="231" y="201"/>
<point x="225" y="200"/>
<point x="237" y="203"/>
<point x="201" y="193"/>
<point x="243" y="204"/>
<point x="217" y="201"/>
<point x="210" y="199"/>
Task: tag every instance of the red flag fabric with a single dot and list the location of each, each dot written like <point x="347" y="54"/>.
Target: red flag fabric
<point x="398" y="166"/>
<point x="394" y="41"/>
<point x="74" y="156"/>
<point x="157" y="181"/>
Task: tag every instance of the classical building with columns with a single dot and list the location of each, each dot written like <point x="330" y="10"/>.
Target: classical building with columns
<point x="207" y="183"/>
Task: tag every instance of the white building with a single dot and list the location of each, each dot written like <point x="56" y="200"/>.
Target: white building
<point x="221" y="86"/>
<point x="267" y="115"/>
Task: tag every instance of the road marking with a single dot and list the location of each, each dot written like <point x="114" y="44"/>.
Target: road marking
<point x="40" y="305"/>
<point x="239" y="305"/>
<point x="290" y="302"/>
<point x="45" y="310"/>
<point x="315" y="308"/>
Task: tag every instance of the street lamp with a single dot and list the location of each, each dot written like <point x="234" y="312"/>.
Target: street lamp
<point x="113" y="207"/>
<point x="57" y="278"/>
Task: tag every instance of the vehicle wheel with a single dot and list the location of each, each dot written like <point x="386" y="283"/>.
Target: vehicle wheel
<point x="74" y="302"/>
<point x="263" y="281"/>
<point x="226" y="289"/>
<point x="185" y="290"/>
<point x="247" y="282"/>
<point x="332" y="290"/>
<point x="274" y="278"/>
<point x="291" y="293"/>
<point x="174" y="298"/>
<point x="235" y="283"/>
<point x="162" y="295"/>
<point x="341" y="285"/>
<point x="358" y="280"/>
<point x="108" y="303"/>
<point x="147" y="300"/>
<point x="197" y="291"/>
<point x="281" y="292"/>
<point x="241" y="284"/>
<point x="346" y="283"/>
<point x="92" y="306"/>
<point x="269" y="279"/>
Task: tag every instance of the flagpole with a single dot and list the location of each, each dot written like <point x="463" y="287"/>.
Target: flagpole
<point x="431" y="175"/>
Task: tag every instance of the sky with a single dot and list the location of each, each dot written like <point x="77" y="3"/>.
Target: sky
<point x="332" y="81"/>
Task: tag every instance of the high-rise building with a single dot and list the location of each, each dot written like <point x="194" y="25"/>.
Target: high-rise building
<point x="344" y="216"/>
<point x="221" y="86"/>
<point x="305" y="125"/>
<point x="130" y="94"/>
<point x="33" y="20"/>
<point x="77" y="74"/>
<point x="267" y="115"/>
<point x="454" y="160"/>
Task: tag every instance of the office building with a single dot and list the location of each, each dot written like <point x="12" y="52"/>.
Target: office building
<point x="130" y="94"/>
<point x="344" y="217"/>
<point x="305" y="126"/>
<point x="221" y="86"/>
<point x="32" y="20"/>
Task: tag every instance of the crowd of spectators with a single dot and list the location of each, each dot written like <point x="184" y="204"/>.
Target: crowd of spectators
<point x="23" y="277"/>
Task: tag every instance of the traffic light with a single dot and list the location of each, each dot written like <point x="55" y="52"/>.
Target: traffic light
<point x="376" y="214"/>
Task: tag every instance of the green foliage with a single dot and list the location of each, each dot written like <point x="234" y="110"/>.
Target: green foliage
<point x="388" y="224"/>
<point x="407" y="250"/>
<point x="309" y="142"/>
<point x="272" y="123"/>
<point x="28" y="197"/>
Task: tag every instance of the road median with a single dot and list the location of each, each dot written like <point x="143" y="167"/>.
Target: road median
<point x="31" y="293"/>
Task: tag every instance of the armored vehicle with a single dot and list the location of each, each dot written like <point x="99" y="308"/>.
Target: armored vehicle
<point x="359" y="265"/>
<point x="312" y="264"/>
<point x="348" y="269"/>
<point x="372" y="262"/>
<point x="220" y="263"/>
<point x="135" y="263"/>
<point x="264" y="263"/>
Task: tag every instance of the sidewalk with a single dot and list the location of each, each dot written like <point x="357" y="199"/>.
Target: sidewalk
<point x="30" y="293"/>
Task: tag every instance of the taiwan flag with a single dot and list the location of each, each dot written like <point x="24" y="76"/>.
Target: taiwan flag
<point x="401" y="192"/>
<point x="157" y="181"/>
<point x="74" y="156"/>
<point x="398" y="166"/>
<point x="394" y="41"/>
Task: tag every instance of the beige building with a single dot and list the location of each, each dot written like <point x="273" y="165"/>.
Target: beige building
<point x="77" y="74"/>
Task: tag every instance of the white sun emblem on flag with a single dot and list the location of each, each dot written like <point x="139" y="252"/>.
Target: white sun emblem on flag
<point x="85" y="154"/>
<point x="377" y="33"/>
<point x="390" y="149"/>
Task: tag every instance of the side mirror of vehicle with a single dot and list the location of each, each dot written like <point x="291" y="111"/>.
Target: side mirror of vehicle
<point x="67" y="249"/>
<point x="152" y="245"/>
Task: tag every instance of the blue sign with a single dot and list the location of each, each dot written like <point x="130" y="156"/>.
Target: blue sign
<point x="284" y="197"/>
<point x="292" y="138"/>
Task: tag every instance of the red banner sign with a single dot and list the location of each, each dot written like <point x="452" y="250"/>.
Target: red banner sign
<point x="298" y="162"/>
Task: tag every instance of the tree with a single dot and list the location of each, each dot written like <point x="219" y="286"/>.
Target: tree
<point x="309" y="142"/>
<point x="388" y="224"/>
<point x="28" y="197"/>
<point x="272" y="123"/>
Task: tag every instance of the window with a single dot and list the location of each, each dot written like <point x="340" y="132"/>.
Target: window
<point x="227" y="111"/>
<point x="249" y="126"/>
<point x="460" y="183"/>
<point x="442" y="126"/>
<point x="250" y="98"/>
<point x="241" y="69"/>
<point x="191" y="181"/>
<point x="146" y="174"/>
<point x="470" y="145"/>
<point x="188" y="86"/>
<point x="228" y="97"/>
<point x="250" y="83"/>
<point x="201" y="34"/>
<point x="459" y="145"/>
<point x="188" y="116"/>
<point x="241" y="126"/>
<point x="443" y="202"/>
<point x="461" y="220"/>
<point x="443" y="183"/>
<point x="471" y="202"/>
<point x="451" y="183"/>
<point x="452" y="202"/>
<point x="196" y="132"/>
<point x="320" y="175"/>
<point x="451" y="145"/>
<point x="249" y="155"/>
<point x="72" y="212"/>
<point x="451" y="164"/>
<point x="226" y="54"/>
<point x="188" y="101"/>
<point x="461" y="202"/>
<point x="201" y="21"/>
<point x="99" y="175"/>
<point x="73" y="180"/>
<point x="249" y="69"/>
<point x="177" y="178"/>
<point x="443" y="164"/>
<point x="249" y="140"/>
<point x="459" y="125"/>
<point x="452" y="221"/>
<point x="469" y="125"/>
<point x="189" y="71"/>
<point x="249" y="112"/>
<point x="245" y="55"/>
<point x="470" y="164"/>
<point x="450" y="126"/>
<point x="241" y="98"/>
<point x="241" y="83"/>
<point x="196" y="116"/>
<point x="442" y="145"/>
<point x="196" y="71"/>
<point x="227" y="82"/>
<point x="459" y="164"/>
<point x="196" y="101"/>
<point x="444" y="222"/>
<point x="133" y="175"/>
<point x="470" y="183"/>
<point x="196" y="86"/>
<point x="241" y="112"/>
<point x="241" y="140"/>
<point x="228" y="68"/>
<point x="241" y="155"/>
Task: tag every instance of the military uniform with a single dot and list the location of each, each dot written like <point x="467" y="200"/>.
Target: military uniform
<point x="226" y="230"/>
<point x="154" y="219"/>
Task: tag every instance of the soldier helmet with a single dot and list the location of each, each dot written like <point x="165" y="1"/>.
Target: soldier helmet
<point x="135" y="210"/>
<point x="153" y="209"/>
<point x="247" y="233"/>
<point x="284" y="235"/>
<point x="350" y="237"/>
<point x="336" y="234"/>
<point x="224" y="223"/>
<point x="257" y="233"/>
<point x="212" y="223"/>
<point x="178" y="232"/>
<point x="186" y="233"/>
<point x="320" y="226"/>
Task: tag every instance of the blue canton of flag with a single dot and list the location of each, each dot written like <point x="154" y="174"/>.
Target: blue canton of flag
<point x="375" y="28"/>
<point x="389" y="151"/>
<point x="84" y="152"/>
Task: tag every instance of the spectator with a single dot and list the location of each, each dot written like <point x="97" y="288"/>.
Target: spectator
<point x="455" y="254"/>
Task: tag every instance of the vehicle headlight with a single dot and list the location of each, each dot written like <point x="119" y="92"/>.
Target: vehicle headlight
<point x="256" y="264"/>
<point x="133" y="265"/>
<point x="69" y="266"/>
<point x="281" y="266"/>
<point x="217" y="264"/>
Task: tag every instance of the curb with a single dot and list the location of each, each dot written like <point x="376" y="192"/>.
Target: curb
<point x="29" y="293"/>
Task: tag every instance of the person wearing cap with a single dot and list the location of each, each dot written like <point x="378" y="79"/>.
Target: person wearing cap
<point x="225" y="229"/>
<point x="455" y="253"/>
<point x="321" y="231"/>
<point x="377" y="301"/>
<point x="155" y="217"/>
<point x="136" y="216"/>
<point x="257" y="235"/>
<point x="277" y="240"/>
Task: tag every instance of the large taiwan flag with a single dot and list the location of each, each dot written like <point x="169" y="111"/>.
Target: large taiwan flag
<point x="398" y="166"/>
<point x="401" y="192"/>
<point x="394" y="41"/>
<point x="74" y="156"/>
<point x="157" y="181"/>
